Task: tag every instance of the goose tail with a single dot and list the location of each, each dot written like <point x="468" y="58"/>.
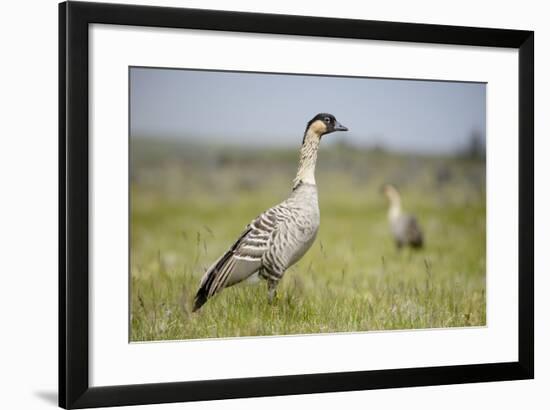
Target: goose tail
<point x="200" y="298"/>
<point x="204" y="288"/>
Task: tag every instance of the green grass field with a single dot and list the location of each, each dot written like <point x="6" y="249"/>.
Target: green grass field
<point x="188" y="204"/>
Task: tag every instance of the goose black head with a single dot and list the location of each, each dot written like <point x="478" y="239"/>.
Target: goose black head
<point x="324" y="123"/>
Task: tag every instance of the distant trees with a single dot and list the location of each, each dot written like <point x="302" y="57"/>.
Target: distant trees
<point x="475" y="147"/>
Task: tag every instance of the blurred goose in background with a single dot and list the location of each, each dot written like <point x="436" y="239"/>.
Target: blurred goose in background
<point x="280" y="236"/>
<point x="405" y="229"/>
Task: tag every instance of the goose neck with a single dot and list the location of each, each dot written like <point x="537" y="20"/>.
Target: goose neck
<point x="308" y="159"/>
<point x="395" y="210"/>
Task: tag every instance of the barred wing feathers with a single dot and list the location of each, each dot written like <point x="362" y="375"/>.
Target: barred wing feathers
<point x="242" y="260"/>
<point x="414" y="233"/>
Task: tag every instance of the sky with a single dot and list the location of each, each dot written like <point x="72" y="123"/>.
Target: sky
<point x="257" y="109"/>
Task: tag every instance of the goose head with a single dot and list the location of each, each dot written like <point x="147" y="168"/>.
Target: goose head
<point x="391" y="193"/>
<point x="324" y="123"/>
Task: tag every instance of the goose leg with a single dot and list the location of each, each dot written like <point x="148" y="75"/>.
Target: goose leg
<point x="399" y="245"/>
<point x="271" y="290"/>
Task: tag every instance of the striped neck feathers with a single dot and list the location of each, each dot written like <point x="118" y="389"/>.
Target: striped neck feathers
<point x="308" y="158"/>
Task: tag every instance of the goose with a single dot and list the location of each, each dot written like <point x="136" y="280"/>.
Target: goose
<point x="405" y="228"/>
<point x="280" y="236"/>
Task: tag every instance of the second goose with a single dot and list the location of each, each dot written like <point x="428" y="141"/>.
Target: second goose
<point x="405" y="228"/>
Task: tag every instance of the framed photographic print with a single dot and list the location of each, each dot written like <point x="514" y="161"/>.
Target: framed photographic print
<point x="257" y="204"/>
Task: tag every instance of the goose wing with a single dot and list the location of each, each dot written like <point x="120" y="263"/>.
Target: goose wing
<point x="242" y="260"/>
<point x="414" y="232"/>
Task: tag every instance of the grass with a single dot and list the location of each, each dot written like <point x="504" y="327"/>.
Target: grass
<point x="185" y="213"/>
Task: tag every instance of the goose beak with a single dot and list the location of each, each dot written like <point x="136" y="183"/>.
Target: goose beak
<point x="339" y="127"/>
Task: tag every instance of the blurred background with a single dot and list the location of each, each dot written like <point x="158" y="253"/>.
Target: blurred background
<point x="211" y="150"/>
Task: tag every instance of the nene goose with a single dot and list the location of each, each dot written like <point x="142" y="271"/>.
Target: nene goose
<point x="404" y="228"/>
<point x="280" y="236"/>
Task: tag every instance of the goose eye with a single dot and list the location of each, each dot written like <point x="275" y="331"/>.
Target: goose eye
<point x="327" y="120"/>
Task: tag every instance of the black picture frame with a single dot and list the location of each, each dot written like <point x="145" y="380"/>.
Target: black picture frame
<point x="74" y="195"/>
